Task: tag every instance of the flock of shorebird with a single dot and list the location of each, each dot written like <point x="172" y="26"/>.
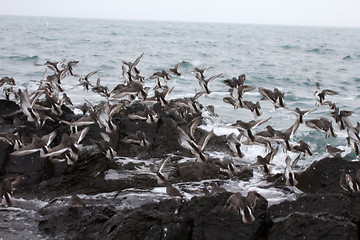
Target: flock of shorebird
<point x="45" y="104"/>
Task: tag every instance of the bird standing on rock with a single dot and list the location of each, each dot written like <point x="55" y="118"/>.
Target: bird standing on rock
<point x="6" y="188"/>
<point x="173" y="191"/>
<point x="289" y="172"/>
<point x="244" y="206"/>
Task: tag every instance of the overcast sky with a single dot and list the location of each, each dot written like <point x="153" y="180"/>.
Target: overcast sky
<point x="287" y="12"/>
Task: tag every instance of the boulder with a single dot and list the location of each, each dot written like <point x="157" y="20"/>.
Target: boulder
<point x="316" y="216"/>
<point x="71" y="222"/>
<point x="324" y="176"/>
<point x="198" y="218"/>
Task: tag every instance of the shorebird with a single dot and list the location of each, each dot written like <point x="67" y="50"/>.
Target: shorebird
<point x="234" y="144"/>
<point x="69" y="149"/>
<point x="175" y="70"/>
<point x="105" y="146"/>
<point x="303" y="147"/>
<point x="201" y="71"/>
<point x="84" y="81"/>
<point x="239" y="91"/>
<point x="76" y="201"/>
<point x="138" y="138"/>
<point x="264" y="161"/>
<point x="196" y="149"/>
<point x="205" y="82"/>
<point x="276" y="97"/>
<point x="215" y="188"/>
<point x="236" y="94"/>
<point x="340" y="117"/>
<point x="285" y="136"/>
<point x="43" y="117"/>
<point x="253" y="107"/>
<point x="193" y="102"/>
<point x="70" y="66"/>
<point x="334" y="151"/>
<point x="38" y="144"/>
<point x="232" y="101"/>
<point x="289" y="172"/>
<point x="162" y="74"/>
<point x="235" y="82"/>
<point x="6" y="188"/>
<point x="156" y="170"/>
<point x="323" y="125"/>
<point x="53" y="103"/>
<point x="13" y="139"/>
<point x="139" y="89"/>
<point x="192" y="125"/>
<point x="320" y="95"/>
<point x="150" y="116"/>
<point x="55" y="66"/>
<point x="173" y="191"/>
<point x="353" y="138"/>
<point x="7" y="91"/>
<point x="301" y="113"/>
<point x="104" y="115"/>
<point x="244" y="206"/>
<point x="27" y="105"/>
<point x="132" y="66"/>
<point x="127" y="72"/>
<point x="350" y="183"/>
<point x="90" y="117"/>
<point x="228" y="165"/>
<point x="55" y="79"/>
<point x="247" y="126"/>
<point x="100" y="89"/>
<point x="66" y="100"/>
<point x="357" y="128"/>
<point x="122" y="90"/>
<point x="7" y="80"/>
<point x="160" y="96"/>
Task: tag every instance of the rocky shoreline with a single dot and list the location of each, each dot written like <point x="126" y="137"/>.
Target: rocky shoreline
<point x="323" y="211"/>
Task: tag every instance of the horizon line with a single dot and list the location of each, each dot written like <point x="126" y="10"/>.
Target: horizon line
<point x="181" y="21"/>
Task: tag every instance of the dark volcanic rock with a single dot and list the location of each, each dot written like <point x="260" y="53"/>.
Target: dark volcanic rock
<point x="318" y="216"/>
<point x="309" y="226"/>
<point x="31" y="166"/>
<point x="70" y="222"/>
<point x="196" y="219"/>
<point x="8" y="108"/>
<point x="323" y="176"/>
<point x="197" y="171"/>
<point x="335" y="204"/>
<point x="87" y="176"/>
<point x="4" y="153"/>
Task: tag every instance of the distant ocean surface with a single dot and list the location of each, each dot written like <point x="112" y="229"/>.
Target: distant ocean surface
<point x="291" y="58"/>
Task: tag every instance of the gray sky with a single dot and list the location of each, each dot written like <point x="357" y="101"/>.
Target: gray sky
<point x="288" y="12"/>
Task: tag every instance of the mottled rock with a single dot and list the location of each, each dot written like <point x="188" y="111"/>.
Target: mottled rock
<point x="316" y="216"/>
<point x="323" y="176"/>
<point x="198" y="218"/>
<point x="69" y="222"/>
<point x="309" y="226"/>
<point x="196" y="171"/>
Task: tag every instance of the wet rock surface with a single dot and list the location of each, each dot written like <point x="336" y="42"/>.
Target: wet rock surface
<point x="197" y="218"/>
<point x="324" y="176"/>
<point x="323" y="211"/>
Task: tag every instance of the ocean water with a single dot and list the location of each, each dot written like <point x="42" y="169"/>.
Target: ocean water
<point x="291" y="58"/>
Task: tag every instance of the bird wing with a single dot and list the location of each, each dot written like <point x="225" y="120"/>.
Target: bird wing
<point x="329" y="92"/>
<point x="205" y="139"/>
<point x="162" y="164"/>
